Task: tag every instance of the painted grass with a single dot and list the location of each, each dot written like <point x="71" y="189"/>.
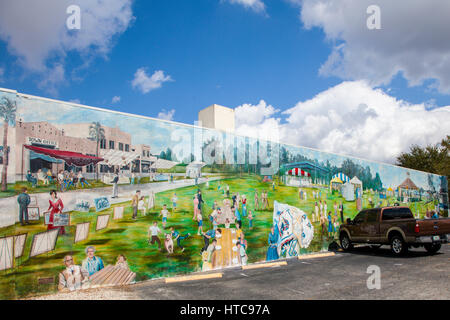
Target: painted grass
<point x="129" y="237"/>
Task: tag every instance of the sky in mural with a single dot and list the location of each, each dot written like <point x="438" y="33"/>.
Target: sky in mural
<point x="157" y="133"/>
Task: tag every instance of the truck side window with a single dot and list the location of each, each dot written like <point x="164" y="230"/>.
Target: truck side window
<point x="372" y="215"/>
<point x="397" y="213"/>
<point x="360" y="217"/>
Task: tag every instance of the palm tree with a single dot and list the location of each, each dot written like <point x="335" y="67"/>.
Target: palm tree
<point x="8" y="110"/>
<point x="96" y="133"/>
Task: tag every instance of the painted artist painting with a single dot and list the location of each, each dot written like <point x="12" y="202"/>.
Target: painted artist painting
<point x="144" y="198"/>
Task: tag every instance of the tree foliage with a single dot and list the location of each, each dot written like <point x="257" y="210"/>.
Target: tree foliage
<point x="432" y="158"/>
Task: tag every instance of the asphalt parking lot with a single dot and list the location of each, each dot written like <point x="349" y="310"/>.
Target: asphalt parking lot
<point x="343" y="276"/>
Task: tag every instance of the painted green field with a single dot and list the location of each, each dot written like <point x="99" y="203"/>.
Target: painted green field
<point x="129" y="237"/>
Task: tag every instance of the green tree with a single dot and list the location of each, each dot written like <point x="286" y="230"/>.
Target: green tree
<point x="432" y="158"/>
<point x="96" y="133"/>
<point x="8" y="110"/>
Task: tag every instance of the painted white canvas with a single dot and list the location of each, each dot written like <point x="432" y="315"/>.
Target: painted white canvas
<point x="118" y="213"/>
<point x="82" y="232"/>
<point x="6" y="253"/>
<point x="44" y="242"/>
<point x="102" y="222"/>
<point x="19" y="245"/>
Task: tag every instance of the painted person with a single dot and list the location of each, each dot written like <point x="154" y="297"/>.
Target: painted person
<point x="244" y="205"/>
<point x="272" y="253"/>
<point x="178" y="237"/>
<point x="211" y="248"/>
<point x="199" y="224"/>
<point x="72" y="277"/>
<point x="263" y="200"/>
<point x="121" y="262"/>
<point x="228" y="191"/>
<point x="61" y="181"/>
<point x="316" y="212"/>
<point x="174" y="202"/>
<point x="92" y="263"/>
<point x="153" y="234"/>
<point x="210" y="234"/>
<point x="250" y="220"/>
<point x="256" y="201"/>
<point x="135" y="203"/>
<point x="115" y="190"/>
<point x="24" y="200"/>
<point x="242" y="255"/>
<point x="341" y="211"/>
<point x="56" y="206"/>
<point x="81" y="180"/>
<point x="164" y="214"/>
<point x="237" y="214"/>
<point x="330" y="224"/>
<point x="31" y="178"/>
<point x="195" y="201"/>
<point x="215" y="205"/>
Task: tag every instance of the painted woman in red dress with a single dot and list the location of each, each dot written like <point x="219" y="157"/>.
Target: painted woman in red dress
<point x="56" y="206"/>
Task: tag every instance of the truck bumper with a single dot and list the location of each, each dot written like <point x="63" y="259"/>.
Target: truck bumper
<point x="444" y="238"/>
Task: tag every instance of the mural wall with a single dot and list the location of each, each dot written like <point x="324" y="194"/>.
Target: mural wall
<point x="92" y="197"/>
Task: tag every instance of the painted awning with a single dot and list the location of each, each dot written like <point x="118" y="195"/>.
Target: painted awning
<point x="341" y="176"/>
<point x="298" y="172"/>
<point x="118" y="158"/>
<point x="163" y="164"/>
<point x="71" y="158"/>
<point x="336" y="180"/>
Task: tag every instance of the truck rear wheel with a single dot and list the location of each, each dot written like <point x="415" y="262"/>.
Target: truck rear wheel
<point x="433" y="247"/>
<point x="398" y="246"/>
<point x="346" y="243"/>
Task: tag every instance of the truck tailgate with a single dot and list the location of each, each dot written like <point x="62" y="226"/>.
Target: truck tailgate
<point x="434" y="226"/>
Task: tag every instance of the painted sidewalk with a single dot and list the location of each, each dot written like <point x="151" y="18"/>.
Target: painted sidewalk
<point x="10" y="209"/>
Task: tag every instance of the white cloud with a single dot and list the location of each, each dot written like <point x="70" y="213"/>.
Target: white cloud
<point x="413" y="40"/>
<point x="351" y="118"/>
<point x="52" y="78"/>
<point x="36" y="31"/>
<point x="145" y="84"/>
<point x="255" y="5"/>
<point x="166" y="115"/>
<point x="257" y="121"/>
<point x="115" y="99"/>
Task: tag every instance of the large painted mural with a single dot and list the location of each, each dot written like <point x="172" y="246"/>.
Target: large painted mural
<point x="92" y="197"/>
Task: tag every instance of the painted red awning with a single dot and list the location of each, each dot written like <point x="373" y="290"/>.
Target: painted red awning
<point x="298" y="172"/>
<point x="71" y="158"/>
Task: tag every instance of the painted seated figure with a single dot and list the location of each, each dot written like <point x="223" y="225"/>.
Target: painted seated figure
<point x="73" y="277"/>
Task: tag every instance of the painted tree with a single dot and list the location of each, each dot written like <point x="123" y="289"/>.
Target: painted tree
<point x="96" y="133"/>
<point x="8" y="110"/>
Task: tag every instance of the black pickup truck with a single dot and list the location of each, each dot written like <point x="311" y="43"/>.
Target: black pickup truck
<point x="394" y="226"/>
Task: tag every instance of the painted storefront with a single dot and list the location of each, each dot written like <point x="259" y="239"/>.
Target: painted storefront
<point x="185" y="199"/>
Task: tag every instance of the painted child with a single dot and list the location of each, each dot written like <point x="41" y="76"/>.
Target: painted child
<point x="244" y="205"/>
<point x="174" y="202"/>
<point x="227" y="223"/>
<point x="200" y="224"/>
<point x="164" y="214"/>
<point x="256" y="201"/>
<point x="178" y="237"/>
<point x="122" y="262"/>
<point x="316" y="212"/>
<point x="250" y="220"/>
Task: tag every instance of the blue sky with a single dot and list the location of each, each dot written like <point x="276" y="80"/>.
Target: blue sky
<point x="210" y="51"/>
